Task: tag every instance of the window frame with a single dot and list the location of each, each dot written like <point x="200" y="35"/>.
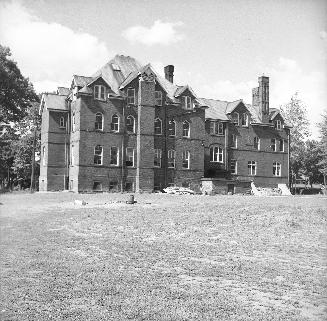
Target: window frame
<point x="157" y="156"/>
<point x="246" y="120"/>
<point x="273" y="145"/>
<point x="157" y="120"/>
<point x="43" y="156"/>
<point x="233" y="171"/>
<point x="156" y="99"/>
<point x="117" y="156"/>
<point x="251" y="165"/>
<point x="133" y="119"/>
<point x="130" y="98"/>
<point x="258" y="143"/>
<point x="186" y="157"/>
<point x="171" y="122"/>
<point x="98" y="91"/>
<point x="217" y="128"/>
<point x="187" y="101"/>
<point x="98" y="155"/>
<point x="62" y="123"/>
<point x="73" y="122"/>
<point x="278" y="124"/>
<point x="234" y="141"/>
<point x="113" y="124"/>
<point x="277" y="169"/>
<point x="128" y="156"/>
<point x="171" y="155"/>
<point x="97" y="122"/>
<point x="282" y="145"/>
<point x="216" y="154"/>
<point x="235" y="121"/>
<point x="188" y="130"/>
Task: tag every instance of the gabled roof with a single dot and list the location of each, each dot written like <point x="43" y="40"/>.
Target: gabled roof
<point x="53" y="101"/>
<point x="216" y="108"/>
<point x="96" y="78"/>
<point x="254" y="114"/>
<point x="86" y="90"/>
<point x="273" y="112"/>
<point x="182" y="89"/>
<point x="63" y="91"/>
<point x="81" y="81"/>
<point x="232" y="105"/>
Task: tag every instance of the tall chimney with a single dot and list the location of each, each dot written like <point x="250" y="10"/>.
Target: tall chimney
<point x="260" y="99"/>
<point x="169" y="73"/>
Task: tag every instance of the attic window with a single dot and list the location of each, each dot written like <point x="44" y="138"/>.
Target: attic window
<point x="115" y="67"/>
<point x="99" y="92"/>
<point x="278" y="124"/>
<point x="130" y="96"/>
<point x="187" y="102"/>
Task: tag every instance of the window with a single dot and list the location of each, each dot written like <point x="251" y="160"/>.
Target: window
<point x="216" y="128"/>
<point x="278" y="124"/>
<point x="216" y="154"/>
<point x="171" y="158"/>
<point x="256" y="143"/>
<point x="158" y="98"/>
<point x="171" y="128"/>
<point x="157" y="158"/>
<point x="98" y="121"/>
<point x="233" y="166"/>
<point x="62" y="122"/>
<point x="131" y="96"/>
<point x="130" y="124"/>
<point x="129" y="157"/>
<point x="281" y="145"/>
<point x="244" y="120"/>
<point x="72" y="157"/>
<point x="187" y="102"/>
<point x="43" y="155"/>
<point x="235" y="119"/>
<point x="113" y="186"/>
<point x="73" y="122"/>
<point x="234" y="141"/>
<point x="98" y="155"/>
<point x="186" y="129"/>
<point x="252" y="168"/>
<point x="114" y="157"/>
<point x="115" y="123"/>
<point x="277" y="169"/>
<point x="99" y="92"/>
<point x="273" y="145"/>
<point x="157" y="126"/>
<point x="186" y="160"/>
<point x="97" y="186"/>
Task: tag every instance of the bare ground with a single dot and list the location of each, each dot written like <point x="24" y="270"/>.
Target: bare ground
<point x="165" y="258"/>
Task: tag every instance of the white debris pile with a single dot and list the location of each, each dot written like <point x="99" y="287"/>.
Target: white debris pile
<point x="265" y="191"/>
<point x="178" y="190"/>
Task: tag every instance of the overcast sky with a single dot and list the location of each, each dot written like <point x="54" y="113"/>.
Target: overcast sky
<point x="218" y="47"/>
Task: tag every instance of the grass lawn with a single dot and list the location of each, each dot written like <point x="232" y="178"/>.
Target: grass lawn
<point x="167" y="257"/>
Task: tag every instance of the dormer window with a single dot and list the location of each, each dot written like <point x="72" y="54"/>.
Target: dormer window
<point x="244" y="120"/>
<point x="130" y="96"/>
<point x="278" y="124"/>
<point x="99" y="92"/>
<point x="158" y="98"/>
<point x="235" y="119"/>
<point x="187" y="102"/>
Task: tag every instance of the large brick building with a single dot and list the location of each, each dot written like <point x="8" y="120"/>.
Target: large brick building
<point x="128" y="128"/>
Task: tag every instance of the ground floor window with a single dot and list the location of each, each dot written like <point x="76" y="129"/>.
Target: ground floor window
<point x="129" y="187"/>
<point x="186" y="160"/>
<point x="233" y="166"/>
<point x="157" y="158"/>
<point x="113" y="186"/>
<point x="97" y="186"/>
<point x="277" y="169"/>
<point x="216" y="154"/>
<point x="252" y="168"/>
<point x="171" y="159"/>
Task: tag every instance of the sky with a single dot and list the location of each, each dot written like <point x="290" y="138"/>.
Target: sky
<point x="218" y="47"/>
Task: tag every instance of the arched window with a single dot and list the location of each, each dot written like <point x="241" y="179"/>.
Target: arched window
<point x="157" y="126"/>
<point x="216" y="154"/>
<point x="172" y="128"/>
<point x="98" y="155"/>
<point x="98" y="121"/>
<point x="130" y="124"/>
<point x="186" y="129"/>
<point x="62" y="122"/>
<point x="115" y="123"/>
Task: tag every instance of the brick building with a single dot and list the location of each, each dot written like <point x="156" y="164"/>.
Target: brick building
<point x="126" y="128"/>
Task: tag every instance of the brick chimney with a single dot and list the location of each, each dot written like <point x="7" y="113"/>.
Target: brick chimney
<point x="169" y="73"/>
<point x="260" y="99"/>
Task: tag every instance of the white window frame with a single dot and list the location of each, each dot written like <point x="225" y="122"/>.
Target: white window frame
<point x="220" y="128"/>
<point x="258" y="143"/>
<point x="245" y="118"/>
<point x="130" y="96"/>
<point x="282" y="145"/>
<point x="278" y="124"/>
<point x="62" y="122"/>
<point x="186" y="158"/>
<point x="217" y="128"/>
<point x="171" y="158"/>
<point x="234" y="141"/>
<point x="187" y="102"/>
<point x="273" y="145"/>
<point x="97" y="122"/>
<point x="111" y="154"/>
<point x="188" y="130"/>
<point x="216" y="154"/>
<point x="157" y="156"/>
<point x="114" y="125"/>
<point x="235" y="118"/>
<point x="43" y="156"/>
<point x="73" y="122"/>
<point x="233" y="170"/>
<point x="172" y="128"/>
<point x="130" y="117"/>
<point x="277" y="169"/>
<point x="156" y="121"/>
<point x="252" y="168"/>
<point x="97" y="154"/>
<point x="99" y="92"/>
<point x="158" y="97"/>
<point x="130" y="156"/>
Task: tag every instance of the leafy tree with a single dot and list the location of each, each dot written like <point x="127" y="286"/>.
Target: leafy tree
<point x="323" y="146"/>
<point x="295" y="114"/>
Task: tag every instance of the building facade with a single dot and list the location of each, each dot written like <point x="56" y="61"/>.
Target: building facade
<point x="126" y="128"/>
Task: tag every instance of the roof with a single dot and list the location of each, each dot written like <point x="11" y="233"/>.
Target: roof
<point x="53" y="101"/>
<point x="81" y="81"/>
<point x="254" y="114"/>
<point x="181" y="89"/>
<point x="232" y="105"/>
<point x="216" y="108"/>
<point x="273" y="112"/>
<point x="86" y="90"/>
<point x="63" y="91"/>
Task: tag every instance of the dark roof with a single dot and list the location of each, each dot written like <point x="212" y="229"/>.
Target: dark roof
<point x="63" y="91"/>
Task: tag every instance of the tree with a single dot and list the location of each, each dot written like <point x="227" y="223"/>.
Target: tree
<point x="295" y="114"/>
<point x="323" y="146"/>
